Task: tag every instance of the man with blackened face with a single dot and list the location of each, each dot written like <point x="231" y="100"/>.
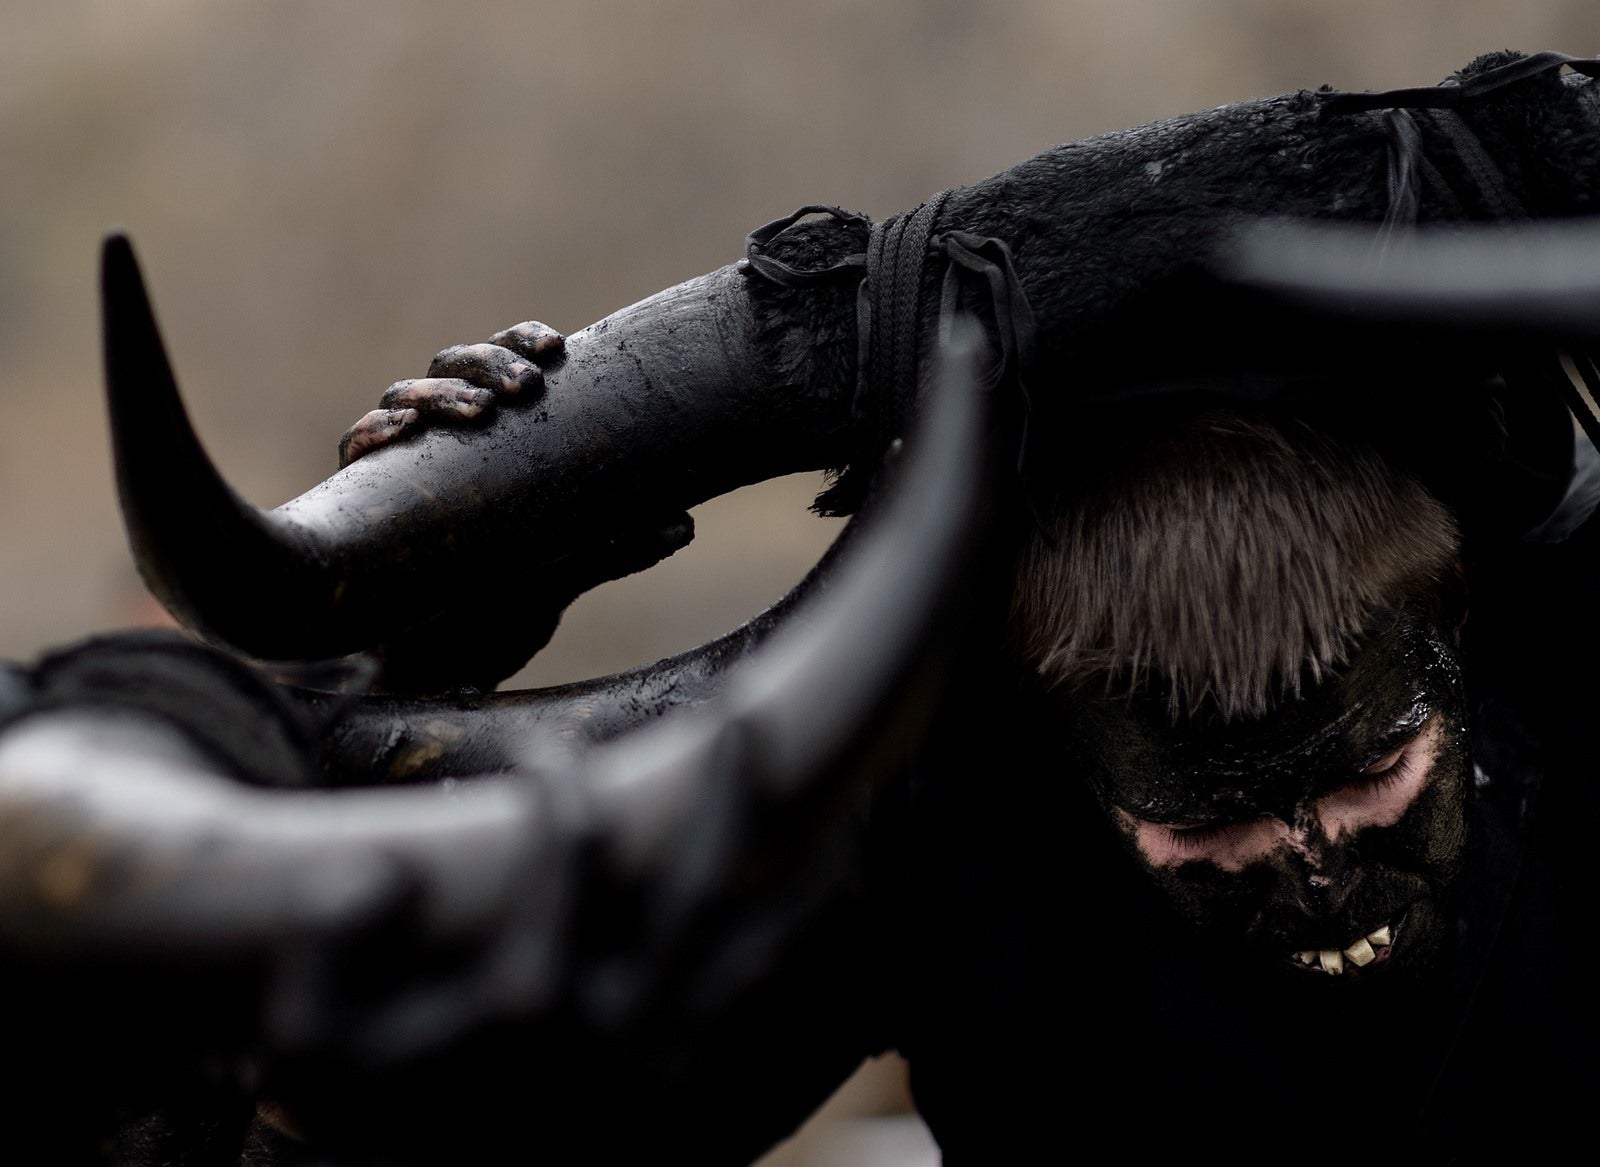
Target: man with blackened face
<point x="1249" y="889"/>
<point x="1325" y="835"/>
<point x="1248" y="631"/>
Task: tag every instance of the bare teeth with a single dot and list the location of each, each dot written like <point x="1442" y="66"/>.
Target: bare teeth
<point x="1362" y="952"/>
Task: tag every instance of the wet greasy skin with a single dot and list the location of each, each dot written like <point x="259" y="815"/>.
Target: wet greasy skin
<point x="1310" y="827"/>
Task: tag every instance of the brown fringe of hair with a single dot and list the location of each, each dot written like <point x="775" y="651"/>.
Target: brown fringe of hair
<point x="1231" y="558"/>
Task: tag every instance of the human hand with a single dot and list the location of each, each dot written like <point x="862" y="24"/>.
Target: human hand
<point x="464" y="384"/>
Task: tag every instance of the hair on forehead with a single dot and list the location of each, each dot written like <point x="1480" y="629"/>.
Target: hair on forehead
<point x="1229" y="557"/>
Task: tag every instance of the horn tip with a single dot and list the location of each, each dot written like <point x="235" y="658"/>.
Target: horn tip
<point x="119" y="265"/>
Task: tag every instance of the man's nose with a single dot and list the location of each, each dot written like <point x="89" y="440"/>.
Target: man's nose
<point x="1324" y="872"/>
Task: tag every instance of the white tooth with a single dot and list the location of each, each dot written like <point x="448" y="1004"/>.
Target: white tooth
<point x="1307" y="957"/>
<point x="1360" y="953"/>
<point x="1332" y="961"/>
<point x="1380" y="938"/>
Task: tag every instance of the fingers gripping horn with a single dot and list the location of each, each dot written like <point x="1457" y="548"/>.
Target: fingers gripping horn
<point x="668" y="400"/>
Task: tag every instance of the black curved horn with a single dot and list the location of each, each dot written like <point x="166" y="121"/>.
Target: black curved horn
<point x="1538" y="280"/>
<point x="189" y="531"/>
<point x="665" y="401"/>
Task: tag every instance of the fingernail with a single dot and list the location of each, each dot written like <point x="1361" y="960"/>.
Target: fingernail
<point x="518" y="376"/>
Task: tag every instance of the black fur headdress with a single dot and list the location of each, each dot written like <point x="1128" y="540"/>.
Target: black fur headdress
<point x="1112" y="246"/>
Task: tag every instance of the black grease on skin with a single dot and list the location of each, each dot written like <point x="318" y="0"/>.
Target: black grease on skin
<point x="1202" y="770"/>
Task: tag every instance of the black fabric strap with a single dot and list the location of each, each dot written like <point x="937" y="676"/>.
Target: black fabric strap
<point x="1497" y="195"/>
<point x="1451" y="95"/>
<point x="990" y="260"/>
<point x="889" y="315"/>
<point x="1408" y="162"/>
<point x="1410" y="167"/>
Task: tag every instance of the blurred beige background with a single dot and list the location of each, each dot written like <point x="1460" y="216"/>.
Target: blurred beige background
<point x="326" y="193"/>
